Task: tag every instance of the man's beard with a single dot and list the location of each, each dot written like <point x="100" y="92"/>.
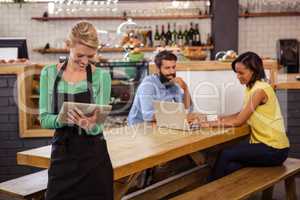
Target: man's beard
<point x="165" y="80"/>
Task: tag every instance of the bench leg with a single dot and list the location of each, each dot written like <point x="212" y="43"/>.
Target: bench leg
<point x="268" y="193"/>
<point x="120" y="188"/>
<point x="290" y="188"/>
<point x="37" y="196"/>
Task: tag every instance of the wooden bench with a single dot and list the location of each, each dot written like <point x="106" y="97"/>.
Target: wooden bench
<point x="31" y="186"/>
<point x="247" y="181"/>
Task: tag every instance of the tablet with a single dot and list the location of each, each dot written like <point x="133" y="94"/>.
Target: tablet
<point x="86" y="108"/>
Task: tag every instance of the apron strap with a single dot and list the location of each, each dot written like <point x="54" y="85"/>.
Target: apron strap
<point x="59" y="77"/>
<point x="90" y="82"/>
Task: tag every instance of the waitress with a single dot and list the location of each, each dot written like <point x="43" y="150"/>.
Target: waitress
<point x="80" y="165"/>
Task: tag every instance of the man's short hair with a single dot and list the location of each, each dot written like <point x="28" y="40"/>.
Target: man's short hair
<point x="164" y="55"/>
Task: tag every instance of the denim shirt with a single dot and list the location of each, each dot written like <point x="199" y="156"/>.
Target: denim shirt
<point x="149" y="90"/>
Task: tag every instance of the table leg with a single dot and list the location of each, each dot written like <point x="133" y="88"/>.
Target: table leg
<point x="122" y="186"/>
<point x="290" y="188"/>
<point x="268" y="193"/>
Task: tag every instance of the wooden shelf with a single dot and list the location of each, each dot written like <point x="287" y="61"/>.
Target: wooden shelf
<point x="270" y="14"/>
<point x="121" y="102"/>
<point x="51" y="50"/>
<point x="35" y="96"/>
<point x="103" y="50"/>
<point x="172" y="17"/>
<point x="123" y="18"/>
<point x="123" y="82"/>
<point x="145" y="49"/>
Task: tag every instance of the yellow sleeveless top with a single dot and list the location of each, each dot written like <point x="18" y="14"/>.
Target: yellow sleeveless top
<point x="266" y="121"/>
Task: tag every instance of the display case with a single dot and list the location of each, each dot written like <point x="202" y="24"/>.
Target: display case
<point x="125" y="76"/>
<point x="26" y="92"/>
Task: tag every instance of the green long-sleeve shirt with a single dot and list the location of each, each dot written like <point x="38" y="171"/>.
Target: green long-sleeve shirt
<point x="101" y="90"/>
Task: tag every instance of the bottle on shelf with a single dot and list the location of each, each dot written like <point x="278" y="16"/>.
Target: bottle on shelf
<point x="174" y="36"/>
<point x="180" y="37"/>
<point x="186" y="36"/>
<point x="163" y="36"/>
<point x="196" y="36"/>
<point x="144" y="33"/>
<point x="156" y="42"/>
<point x="191" y="35"/>
<point x="209" y="39"/>
<point x="138" y="34"/>
<point x="169" y="35"/>
<point x="35" y="86"/>
<point x="149" y="37"/>
<point x="207" y="7"/>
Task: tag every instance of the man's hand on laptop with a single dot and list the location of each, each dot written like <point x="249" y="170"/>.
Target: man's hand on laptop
<point x="204" y="121"/>
<point x="196" y="118"/>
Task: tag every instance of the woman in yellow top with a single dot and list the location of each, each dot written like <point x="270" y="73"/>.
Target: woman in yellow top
<point x="268" y="145"/>
<point x="80" y="166"/>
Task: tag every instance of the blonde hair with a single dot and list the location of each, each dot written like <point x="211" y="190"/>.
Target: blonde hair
<point x="84" y="33"/>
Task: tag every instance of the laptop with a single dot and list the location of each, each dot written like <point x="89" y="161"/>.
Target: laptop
<point x="172" y="115"/>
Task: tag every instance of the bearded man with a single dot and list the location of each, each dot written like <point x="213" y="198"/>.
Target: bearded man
<point x="164" y="86"/>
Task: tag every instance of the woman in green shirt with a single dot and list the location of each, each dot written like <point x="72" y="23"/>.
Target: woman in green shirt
<point x="80" y="166"/>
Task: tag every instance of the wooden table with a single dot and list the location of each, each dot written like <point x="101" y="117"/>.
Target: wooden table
<point x="134" y="149"/>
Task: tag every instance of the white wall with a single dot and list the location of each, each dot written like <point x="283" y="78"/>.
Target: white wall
<point x="15" y="21"/>
<point x="255" y="34"/>
<point x="214" y="92"/>
<point x="261" y="34"/>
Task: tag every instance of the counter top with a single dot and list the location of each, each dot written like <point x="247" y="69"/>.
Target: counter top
<point x="187" y="65"/>
<point x="16" y="68"/>
<point x="211" y="65"/>
<point x="281" y="80"/>
<point x="287" y="81"/>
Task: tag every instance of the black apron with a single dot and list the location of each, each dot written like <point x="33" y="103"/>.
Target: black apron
<point x="80" y="166"/>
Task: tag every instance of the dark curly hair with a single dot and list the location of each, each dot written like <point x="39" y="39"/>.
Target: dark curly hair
<point x="164" y="55"/>
<point x="253" y="62"/>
